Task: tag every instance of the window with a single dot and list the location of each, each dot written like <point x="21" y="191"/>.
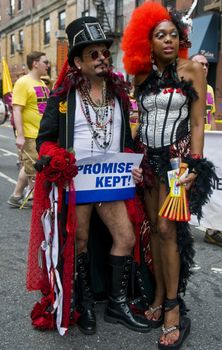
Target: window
<point x="62" y="17"/>
<point x="12" y="44"/>
<point x="85" y="11"/>
<point x="20" y="5"/>
<point x="11" y="7"/>
<point x="119" y="16"/>
<point x="21" y="38"/>
<point x="46" y="31"/>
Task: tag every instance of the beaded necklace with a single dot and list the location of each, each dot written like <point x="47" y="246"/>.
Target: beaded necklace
<point x="102" y="128"/>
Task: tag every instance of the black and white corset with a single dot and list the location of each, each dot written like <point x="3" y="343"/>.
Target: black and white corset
<point x="164" y="117"/>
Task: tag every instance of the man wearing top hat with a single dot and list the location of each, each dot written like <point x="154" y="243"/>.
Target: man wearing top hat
<point x="89" y="112"/>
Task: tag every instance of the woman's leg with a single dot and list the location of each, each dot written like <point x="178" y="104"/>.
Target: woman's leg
<point x="170" y="259"/>
<point x="151" y="203"/>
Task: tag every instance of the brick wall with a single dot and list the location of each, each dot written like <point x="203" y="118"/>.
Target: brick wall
<point x="5" y="9"/>
<point x="183" y="4"/>
<point x="32" y="25"/>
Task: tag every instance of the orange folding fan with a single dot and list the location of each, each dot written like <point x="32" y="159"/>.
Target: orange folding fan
<point x="175" y="206"/>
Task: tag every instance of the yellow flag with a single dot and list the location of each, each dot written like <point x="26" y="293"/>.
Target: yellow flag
<point x="6" y="78"/>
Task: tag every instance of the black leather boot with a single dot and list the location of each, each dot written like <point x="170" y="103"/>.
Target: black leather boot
<point x="118" y="310"/>
<point x="87" y="319"/>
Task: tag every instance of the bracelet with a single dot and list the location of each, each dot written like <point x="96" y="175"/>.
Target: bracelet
<point x="196" y="156"/>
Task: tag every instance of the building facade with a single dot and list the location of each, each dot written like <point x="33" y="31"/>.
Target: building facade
<point x="28" y="25"/>
<point x="34" y="25"/>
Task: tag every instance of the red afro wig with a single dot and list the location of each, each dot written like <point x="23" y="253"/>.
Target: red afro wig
<point x="135" y="41"/>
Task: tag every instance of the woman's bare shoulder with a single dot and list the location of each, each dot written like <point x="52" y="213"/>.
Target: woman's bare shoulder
<point x="188" y="69"/>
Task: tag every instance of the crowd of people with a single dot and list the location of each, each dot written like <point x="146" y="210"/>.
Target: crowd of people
<point x="89" y="111"/>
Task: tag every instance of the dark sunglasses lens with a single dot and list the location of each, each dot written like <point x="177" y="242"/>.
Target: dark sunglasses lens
<point x="95" y="55"/>
<point x="106" y="53"/>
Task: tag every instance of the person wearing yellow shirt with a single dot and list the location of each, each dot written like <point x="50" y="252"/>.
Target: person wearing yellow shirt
<point x="210" y="109"/>
<point x="29" y="101"/>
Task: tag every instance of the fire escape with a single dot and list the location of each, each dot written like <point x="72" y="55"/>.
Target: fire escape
<point x="103" y="17"/>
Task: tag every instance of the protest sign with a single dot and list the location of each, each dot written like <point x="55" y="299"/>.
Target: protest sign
<point x="106" y="178"/>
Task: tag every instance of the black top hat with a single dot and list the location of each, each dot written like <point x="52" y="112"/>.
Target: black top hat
<point x="83" y="32"/>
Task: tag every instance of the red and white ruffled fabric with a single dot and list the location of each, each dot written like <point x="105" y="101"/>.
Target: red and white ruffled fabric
<point x="48" y="247"/>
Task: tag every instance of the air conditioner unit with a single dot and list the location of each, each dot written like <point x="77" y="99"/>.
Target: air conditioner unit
<point x="60" y="34"/>
<point x="19" y="48"/>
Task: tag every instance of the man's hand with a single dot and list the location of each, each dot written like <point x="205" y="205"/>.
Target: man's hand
<point x="137" y="175"/>
<point x="20" y="141"/>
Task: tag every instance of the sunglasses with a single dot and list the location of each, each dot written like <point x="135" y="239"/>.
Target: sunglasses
<point x="96" y="53"/>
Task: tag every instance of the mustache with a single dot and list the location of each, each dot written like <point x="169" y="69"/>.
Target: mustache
<point x="102" y="64"/>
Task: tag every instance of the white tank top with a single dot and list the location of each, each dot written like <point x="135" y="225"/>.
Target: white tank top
<point x="84" y="143"/>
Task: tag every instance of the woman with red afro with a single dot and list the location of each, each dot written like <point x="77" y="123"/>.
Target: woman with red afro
<point x="170" y="92"/>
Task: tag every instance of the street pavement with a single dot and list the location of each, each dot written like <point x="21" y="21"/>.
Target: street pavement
<point x="203" y="297"/>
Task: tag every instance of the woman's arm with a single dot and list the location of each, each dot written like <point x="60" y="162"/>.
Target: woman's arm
<point x="198" y="109"/>
<point x="197" y="113"/>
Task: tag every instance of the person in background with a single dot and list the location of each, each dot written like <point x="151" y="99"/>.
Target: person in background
<point x="29" y="101"/>
<point x="210" y="100"/>
<point x="134" y="115"/>
<point x="170" y="91"/>
<point x="211" y="236"/>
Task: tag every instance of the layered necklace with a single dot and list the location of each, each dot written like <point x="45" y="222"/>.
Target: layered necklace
<point x="101" y="127"/>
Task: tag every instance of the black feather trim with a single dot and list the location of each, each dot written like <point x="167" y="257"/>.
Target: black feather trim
<point x="187" y="252"/>
<point x="183" y="308"/>
<point x="168" y="79"/>
<point x="202" y="188"/>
